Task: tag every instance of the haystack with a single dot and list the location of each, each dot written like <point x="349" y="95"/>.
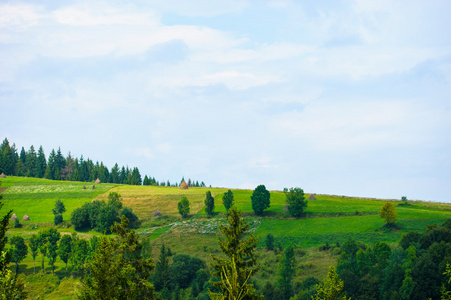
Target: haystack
<point x="97" y="181"/>
<point x="183" y="185"/>
<point x="157" y="214"/>
<point x="26" y="218"/>
<point x="312" y="197"/>
<point x="3" y="175"/>
<point x="14" y="217"/>
<point x="285" y="208"/>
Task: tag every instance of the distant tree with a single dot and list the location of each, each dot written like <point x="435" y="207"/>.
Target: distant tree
<point x="331" y="288"/>
<point x="388" y="212"/>
<point x="241" y="264"/>
<point x="65" y="248"/>
<point x="58" y="211"/>
<point x="41" y="163"/>
<point x="130" y="215"/>
<point x="80" y="252"/>
<point x="269" y="242"/>
<point x="183" y="207"/>
<point x="107" y="215"/>
<point x="209" y="204"/>
<point x="183" y="269"/>
<point x="297" y="202"/>
<point x="410" y="238"/>
<point x="260" y="199"/>
<point x="34" y="247"/>
<point x="11" y="286"/>
<point x="115" y="199"/>
<point x="228" y="200"/>
<point x="53" y="236"/>
<point x="19" y="250"/>
<point x="43" y="246"/>
<point x="31" y="162"/>
<point x="161" y="278"/>
<point x="286" y="274"/>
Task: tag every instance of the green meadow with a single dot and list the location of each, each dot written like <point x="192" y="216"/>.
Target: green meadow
<point x="328" y="219"/>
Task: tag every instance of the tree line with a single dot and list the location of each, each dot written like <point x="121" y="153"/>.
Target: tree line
<point x="34" y="163"/>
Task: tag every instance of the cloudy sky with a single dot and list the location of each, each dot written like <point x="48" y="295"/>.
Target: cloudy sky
<point x="338" y="97"/>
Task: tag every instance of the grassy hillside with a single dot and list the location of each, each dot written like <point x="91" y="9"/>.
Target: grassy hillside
<point x="329" y="219"/>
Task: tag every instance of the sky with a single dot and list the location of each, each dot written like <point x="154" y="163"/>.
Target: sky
<point x="344" y="97"/>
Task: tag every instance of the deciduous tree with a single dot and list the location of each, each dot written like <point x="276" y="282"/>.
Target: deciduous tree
<point x="260" y="199"/>
<point x="296" y="200"/>
<point x="388" y="212"/>
<point x="19" y="250"/>
<point x="183" y="207"/>
<point x="227" y="200"/>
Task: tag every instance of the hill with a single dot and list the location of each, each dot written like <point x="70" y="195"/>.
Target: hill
<point x="328" y="219"/>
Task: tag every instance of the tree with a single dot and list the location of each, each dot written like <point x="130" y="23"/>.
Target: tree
<point x="161" y="278"/>
<point x="53" y="236"/>
<point x="332" y="287"/>
<point x="228" y="200"/>
<point x="297" y="202"/>
<point x="58" y="212"/>
<point x="286" y="273"/>
<point x="130" y="215"/>
<point x="115" y="199"/>
<point x="183" y="269"/>
<point x="118" y="271"/>
<point x="241" y="263"/>
<point x="183" y="207"/>
<point x="65" y="248"/>
<point x="269" y="242"/>
<point x="260" y="199"/>
<point x="43" y="244"/>
<point x="209" y="204"/>
<point x="11" y="287"/>
<point x="19" y="250"/>
<point x="41" y="163"/>
<point x="388" y="212"/>
<point x="34" y="247"/>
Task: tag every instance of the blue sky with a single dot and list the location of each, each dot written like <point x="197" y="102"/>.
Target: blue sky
<point x="338" y="97"/>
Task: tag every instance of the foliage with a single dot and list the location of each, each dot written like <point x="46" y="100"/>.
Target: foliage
<point x="228" y="200"/>
<point x="118" y="271"/>
<point x="19" y="250"/>
<point x="209" y="204"/>
<point x="296" y="200"/>
<point x="260" y="199"/>
<point x="58" y="212"/>
<point x="241" y="262"/>
<point x="34" y="247"/>
<point x="183" y="207"/>
<point x="161" y="277"/>
<point x="53" y="236"/>
<point x="269" y="242"/>
<point x="183" y="269"/>
<point x="115" y="199"/>
<point x="130" y="215"/>
<point x="388" y="212"/>
<point x="332" y="287"/>
<point x="65" y="248"/>
<point x="286" y="274"/>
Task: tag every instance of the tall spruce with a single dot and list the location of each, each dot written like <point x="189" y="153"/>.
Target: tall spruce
<point x="162" y="277"/>
<point x="236" y="271"/>
<point x="209" y="204"/>
<point x="41" y="163"/>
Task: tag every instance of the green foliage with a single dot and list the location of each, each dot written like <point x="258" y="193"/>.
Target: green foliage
<point x="115" y="199"/>
<point x="58" y="219"/>
<point x="260" y="199"/>
<point x="388" y="212"/>
<point x="34" y="247"/>
<point x="183" y="269"/>
<point x="269" y="242"/>
<point x="58" y="212"/>
<point x="297" y="202"/>
<point x="332" y="287"/>
<point x="130" y="215"/>
<point x="209" y="204"/>
<point x="241" y="263"/>
<point x="227" y="200"/>
<point x="118" y="271"/>
<point x="19" y="250"/>
<point x="16" y="223"/>
<point x="161" y="277"/>
<point x="65" y="248"/>
<point x="410" y="238"/>
<point x="183" y="207"/>
<point x="286" y="274"/>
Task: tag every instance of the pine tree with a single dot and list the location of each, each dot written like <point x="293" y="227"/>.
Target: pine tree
<point x="241" y="263"/>
<point x="209" y="204"/>
<point x="41" y="163"/>
<point x="161" y="277"/>
<point x="31" y="162"/>
<point x="332" y="287"/>
<point x="286" y="273"/>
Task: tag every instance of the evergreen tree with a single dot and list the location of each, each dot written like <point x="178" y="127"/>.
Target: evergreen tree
<point x="41" y="163"/>
<point x="241" y="263"/>
<point x="31" y="162"/>
<point x="209" y="204"/>
<point x="114" y="174"/>
<point x="228" y="200"/>
<point x="260" y="199"/>
<point x="136" y="177"/>
<point x="332" y="287"/>
<point x="286" y="274"/>
<point x="161" y="278"/>
<point x="50" y="172"/>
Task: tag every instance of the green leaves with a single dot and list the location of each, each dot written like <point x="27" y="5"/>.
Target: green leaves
<point x="183" y="207"/>
<point x="260" y="199"/>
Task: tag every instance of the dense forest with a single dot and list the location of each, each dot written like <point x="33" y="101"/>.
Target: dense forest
<point x="57" y="167"/>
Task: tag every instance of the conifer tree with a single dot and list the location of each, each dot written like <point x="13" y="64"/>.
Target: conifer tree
<point x="209" y="203"/>
<point x="228" y="200"/>
<point x="241" y="263"/>
<point x="41" y="163"/>
<point x="162" y="276"/>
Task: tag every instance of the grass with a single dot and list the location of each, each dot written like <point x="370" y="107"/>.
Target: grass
<point x="328" y="219"/>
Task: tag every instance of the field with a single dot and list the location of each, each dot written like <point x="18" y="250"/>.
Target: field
<point x="328" y="219"/>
